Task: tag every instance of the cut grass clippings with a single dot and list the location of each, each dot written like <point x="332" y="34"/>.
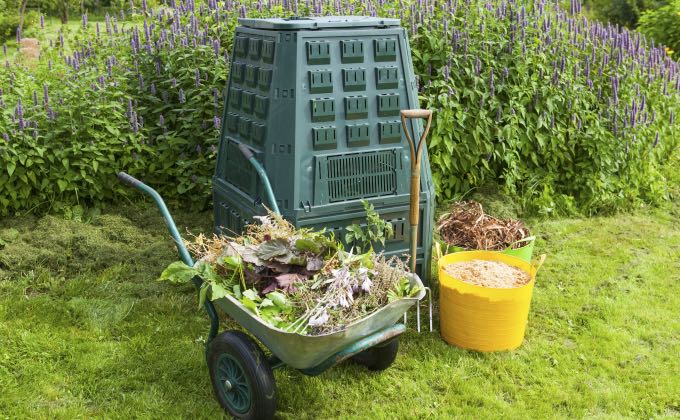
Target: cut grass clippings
<point x="87" y="331"/>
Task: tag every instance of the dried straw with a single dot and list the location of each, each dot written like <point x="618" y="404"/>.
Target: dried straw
<point x="467" y="226"/>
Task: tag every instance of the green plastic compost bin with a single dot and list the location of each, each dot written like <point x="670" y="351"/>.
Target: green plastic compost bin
<point x="317" y="100"/>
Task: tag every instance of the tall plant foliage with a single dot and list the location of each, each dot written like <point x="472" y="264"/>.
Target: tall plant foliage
<point x="565" y="113"/>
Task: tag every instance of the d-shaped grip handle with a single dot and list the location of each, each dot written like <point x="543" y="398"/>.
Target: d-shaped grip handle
<point x="416" y="113"/>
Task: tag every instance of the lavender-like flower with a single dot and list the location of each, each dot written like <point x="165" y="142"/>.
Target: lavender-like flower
<point x="216" y="122"/>
<point x="182" y="99"/>
<point x="197" y="77"/>
<point x="42" y="21"/>
<point x="35" y="98"/>
<point x="656" y="140"/>
<point x="161" y="120"/>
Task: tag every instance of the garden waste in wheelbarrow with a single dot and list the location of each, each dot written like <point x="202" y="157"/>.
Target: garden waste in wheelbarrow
<point x="240" y="372"/>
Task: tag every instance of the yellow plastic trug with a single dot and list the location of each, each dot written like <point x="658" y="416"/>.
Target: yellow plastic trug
<point x="482" y="318"/>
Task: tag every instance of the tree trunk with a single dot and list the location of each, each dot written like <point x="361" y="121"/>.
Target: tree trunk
<point x="22" y="10"/>
<point x="64" y="12"/>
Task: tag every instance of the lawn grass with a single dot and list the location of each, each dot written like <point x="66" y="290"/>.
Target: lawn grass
<point x="86" y="331"/>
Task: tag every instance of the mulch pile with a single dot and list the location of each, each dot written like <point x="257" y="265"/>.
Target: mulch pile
<point x="467" y="226"/>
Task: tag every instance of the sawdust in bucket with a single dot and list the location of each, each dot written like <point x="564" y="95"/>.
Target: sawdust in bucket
<point x="486" y="273"/>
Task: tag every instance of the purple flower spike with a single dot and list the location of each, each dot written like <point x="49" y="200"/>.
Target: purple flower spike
<point x="182" y="99"/>
<point x="216" y="122"/>
<point x="656" y="140"/>
<point x="161" y="120"/>
<point x="35" y="97"/>
<point x="197" y="77"/>
<point x="42" y="21"/>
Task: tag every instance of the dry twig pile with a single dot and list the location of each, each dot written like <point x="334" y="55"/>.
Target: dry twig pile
<point x="467" y="226"/>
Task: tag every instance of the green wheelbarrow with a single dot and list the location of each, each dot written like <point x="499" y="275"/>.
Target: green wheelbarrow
<point x="241" y="373"/>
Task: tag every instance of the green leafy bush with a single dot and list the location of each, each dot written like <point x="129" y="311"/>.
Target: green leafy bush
<point x="8" y="25"/>
<point x="568" y="115"/>
<point x="663" y="25"/>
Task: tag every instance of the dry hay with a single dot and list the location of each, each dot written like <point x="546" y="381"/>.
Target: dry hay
<point x="30" y="48"/>
<point x="467" y="226"/>
<point x="484" y="273"/>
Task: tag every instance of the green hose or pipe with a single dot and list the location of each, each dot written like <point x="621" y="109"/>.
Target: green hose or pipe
<point x="248" y="154"/>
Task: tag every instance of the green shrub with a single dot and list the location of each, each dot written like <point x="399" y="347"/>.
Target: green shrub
<point x="663" y="25"/>
<point x="567" y="115"/>
<point x="621" y="12"/>
<point x="146" y="97"/>
<point x="8" y="26"/>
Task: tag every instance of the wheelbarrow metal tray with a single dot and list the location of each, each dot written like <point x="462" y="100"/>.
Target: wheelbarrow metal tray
<point x="307" y="351"/>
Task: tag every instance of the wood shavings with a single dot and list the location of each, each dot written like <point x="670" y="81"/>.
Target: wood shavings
<point x="484" y="273"/>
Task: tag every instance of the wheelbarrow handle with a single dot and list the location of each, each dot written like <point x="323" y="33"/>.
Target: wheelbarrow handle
<point x="137" y="184"/>
<point x="129" y="180"/>
<point x="179" y="243"/>
<point x="250" y="157"/>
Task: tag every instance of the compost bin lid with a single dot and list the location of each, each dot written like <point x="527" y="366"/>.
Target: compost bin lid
<point x="323" y="22"/>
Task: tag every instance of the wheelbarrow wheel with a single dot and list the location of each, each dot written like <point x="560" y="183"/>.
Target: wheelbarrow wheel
<point x="241" y="376"/>
<point x="378" y="357"/>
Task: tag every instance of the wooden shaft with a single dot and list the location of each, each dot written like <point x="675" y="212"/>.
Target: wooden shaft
<point x="416" y="153"/>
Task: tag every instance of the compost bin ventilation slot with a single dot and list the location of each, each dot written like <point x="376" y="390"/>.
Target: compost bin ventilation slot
<point x="361" y="175"/>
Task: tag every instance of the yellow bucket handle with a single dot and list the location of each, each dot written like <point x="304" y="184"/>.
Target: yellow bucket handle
<point x="537" y="263"/>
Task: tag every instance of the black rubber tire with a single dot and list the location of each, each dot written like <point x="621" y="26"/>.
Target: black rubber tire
<point x="379" y="357"/>
<point x="243" y="356"/>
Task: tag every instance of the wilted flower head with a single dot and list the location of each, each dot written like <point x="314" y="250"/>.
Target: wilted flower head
<point x="319" y="319"/>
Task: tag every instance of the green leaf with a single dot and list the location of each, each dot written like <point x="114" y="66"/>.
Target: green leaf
<point x="178" y="272"/>
<point x="307" y="245"/>
<point x="62" y="184"/>
<point x="248" y="303"/>
<point x="252" y="295"/>
<point x="202" y="294"/>
<point x="11" y="166"/>
<point x="233" y="261"/>
<point x="279" y="299"/>
<point x="274" y="248"/>
<point x="266" y="302"/>
<point x="237" y="291"/>
<point x="218" y="291"/>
